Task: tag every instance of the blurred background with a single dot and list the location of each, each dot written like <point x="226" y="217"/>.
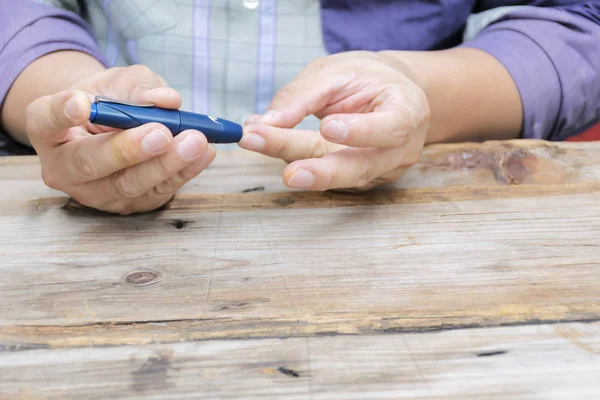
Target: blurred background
<point x="587" y="136"/>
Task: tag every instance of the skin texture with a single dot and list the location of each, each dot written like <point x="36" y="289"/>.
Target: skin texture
<point x="378" y="110"/>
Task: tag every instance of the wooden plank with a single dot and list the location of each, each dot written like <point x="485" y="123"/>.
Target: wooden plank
<point x="465" y="164"/>
<point x="288" y="272"/>
<point x="543" y="362"/>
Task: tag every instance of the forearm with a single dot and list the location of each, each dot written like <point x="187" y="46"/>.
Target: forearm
<point x="42" y="50"/>
<point x="472" y="97"/>
<point x="46" y="75"/>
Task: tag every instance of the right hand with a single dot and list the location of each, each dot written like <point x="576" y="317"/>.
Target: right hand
<point x="121" y="172"/>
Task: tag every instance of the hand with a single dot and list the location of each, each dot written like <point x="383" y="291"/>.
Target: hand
<point x="121" y="172"/>
<point x="375" y="117"/>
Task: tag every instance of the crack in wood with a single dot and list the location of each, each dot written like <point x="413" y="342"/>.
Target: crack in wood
<point x="288" y="372"/>
<point x="492" y="353"/>
<point x="174" y="331"/>
<point x="179" y="223"/>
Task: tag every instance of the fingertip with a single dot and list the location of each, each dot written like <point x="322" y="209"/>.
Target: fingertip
<point x="252" y="141"/>
<point x="192" y="145"/>
<point x="335" y="131"/>
<point x="165" y="97"/>
<point x="184" y="134"/>
<point x="155" y="126"/>
<point x="299" y="177"/>
<point x="156" y="140"/>
<point x="76" y="105"/>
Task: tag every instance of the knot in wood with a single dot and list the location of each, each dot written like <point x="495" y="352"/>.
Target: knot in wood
<point x="142" y="278"/>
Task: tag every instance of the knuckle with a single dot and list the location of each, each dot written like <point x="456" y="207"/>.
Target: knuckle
<point x="400" y="135"/>
<point x="190" y="173"/>
<point x="425" y="116"/>
<point x="164" y="166"/>
<point x="414" y="158"/>
<point x="124" y="153"/>
<point x="139" y="70"/>
<point x="163" y="189"/>
<point x="365" y="176"/>
<point x="284" y="96"/>
<point x="422" y="112"/>
<point x="162" y="80"/>
<point x="85" y="166"/>
<point x="316" y="147"/>
<point x="319" y="64"/>
<point x="169" y="186"/>
<point x="50" y="178"/>
<point x="126" y="186"/>
<point x="281" y="148"/>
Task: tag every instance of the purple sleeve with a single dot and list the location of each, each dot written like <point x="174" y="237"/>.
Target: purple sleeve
<point x="30" y="30"/>
<point x="553" y="54"/>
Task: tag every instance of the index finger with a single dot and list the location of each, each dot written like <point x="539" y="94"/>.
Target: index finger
<point x="311" y="92"/>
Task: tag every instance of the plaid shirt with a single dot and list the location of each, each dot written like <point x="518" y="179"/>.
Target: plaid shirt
<point x="242" y="51"/>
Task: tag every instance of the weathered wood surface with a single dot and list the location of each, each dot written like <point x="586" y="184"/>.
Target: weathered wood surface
<point x="543" y="362"/>
<point x="488" y="164"/>
<point x="477" y="235"/>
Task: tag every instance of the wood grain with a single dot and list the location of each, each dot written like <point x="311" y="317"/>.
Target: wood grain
<point x="387" y="294"/>
<point x="543" y="362"/>
<point x="288" y="272"/>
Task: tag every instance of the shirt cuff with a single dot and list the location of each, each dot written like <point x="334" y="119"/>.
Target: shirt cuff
<point x="533" y="73"/>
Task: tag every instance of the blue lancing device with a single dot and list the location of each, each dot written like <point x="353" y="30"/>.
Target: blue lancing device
<point x="121" y="115"/>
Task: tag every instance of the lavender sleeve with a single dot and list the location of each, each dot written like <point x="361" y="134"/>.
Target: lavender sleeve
<point x="552" y="52"/>
<point x="30" y="30"/>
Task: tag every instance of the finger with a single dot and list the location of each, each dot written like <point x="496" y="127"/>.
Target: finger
<point x="164" y="97"/>
<point x="162" y="80"/>
<point x="50" y="117"/>
<point x="176" y="181"/>
<point x="143" y="204"/>
<point x="252" y="120"/>
<point x="346" y="168"/>
<point x="287" y="144"/>
<point x="310" y="92"/>
<point x="139" y="84"/>
<point x="135" y="181"/>
<point x="96" y="157"/>
<point x="164" y="191"/>
<point x="385" y="129"/>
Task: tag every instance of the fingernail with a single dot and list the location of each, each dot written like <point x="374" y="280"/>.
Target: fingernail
<point x="191" y="147"/>
<point x="337" y="131"/>
<point x="268" y="116"/>
<point x="155" y="141"/>
<point x="302" y="179"/>
<point x="72" y="108"/>
<point x="251" y="141"/>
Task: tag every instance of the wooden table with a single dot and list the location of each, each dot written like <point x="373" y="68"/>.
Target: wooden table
<point x="477" y="276"/>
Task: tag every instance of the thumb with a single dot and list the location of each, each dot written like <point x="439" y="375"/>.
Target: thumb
<point x="49" y="117"/>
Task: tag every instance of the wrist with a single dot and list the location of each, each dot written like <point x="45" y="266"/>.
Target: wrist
<point x="46" y="75"/>
<point x="472" y="97"/>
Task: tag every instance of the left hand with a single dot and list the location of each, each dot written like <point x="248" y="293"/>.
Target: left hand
<point x="375" y="117"/>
